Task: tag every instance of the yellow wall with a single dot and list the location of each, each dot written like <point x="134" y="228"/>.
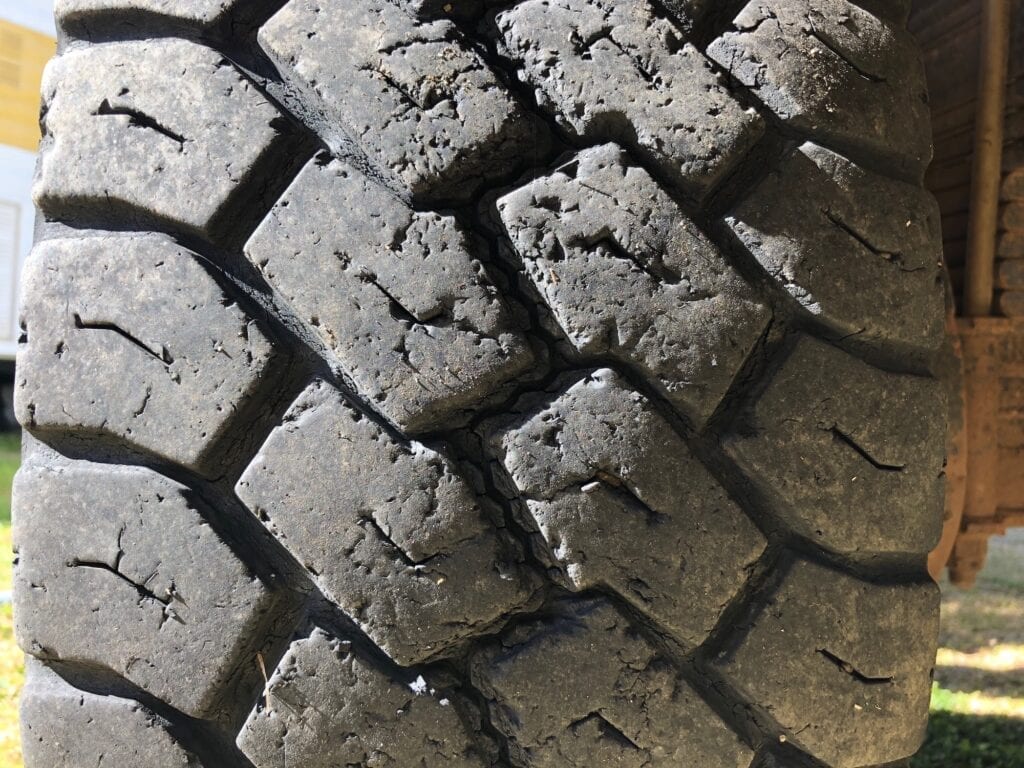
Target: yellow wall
<point x="23" y="54"/>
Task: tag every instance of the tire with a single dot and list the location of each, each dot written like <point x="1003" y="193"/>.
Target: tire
<point x="416" y="383"/>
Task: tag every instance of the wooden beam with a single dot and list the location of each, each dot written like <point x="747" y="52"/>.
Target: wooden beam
<point x="986" y="174"/>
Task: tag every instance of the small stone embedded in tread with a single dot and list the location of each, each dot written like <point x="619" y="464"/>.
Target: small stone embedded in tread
<point x="440" y="9"/>
<point x="582" y="689"/>
<point x="843" y="664"/>
<point x="626" y="273"/>
<point x="611" y="70"/>
<point x="324" y="707"/>
<point x="396" y="295"/>
<point x="427" y="110"/>
<point x="832" y="233"/>
<point x="396" y="535"/>
<point x="852" y="457"/>
<point x="141" y="317"/>
<point x="118" y="568"/>
<point x="130" y="130"/>
<point x="834" y="71"/>
<point x="64" y="727"/>
<point x="622" y="504"/>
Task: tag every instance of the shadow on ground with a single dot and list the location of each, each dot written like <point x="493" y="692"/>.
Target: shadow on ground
<point x="978" y="699"/>
<point x="958" y="740"/>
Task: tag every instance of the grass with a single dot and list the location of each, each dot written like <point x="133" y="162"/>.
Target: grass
<point x="12" y="666"/>
<point x="956" y="740"/>
<point x="977" y="700"/>
<point x="12" y="670"/>
<point x="10" y="457"/>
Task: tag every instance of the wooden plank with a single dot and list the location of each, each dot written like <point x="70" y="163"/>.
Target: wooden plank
<point x="955" y="253"/>
<point x="1011" y="396"/>
<point x="933" y="20"/>
<point x="1011" y="441"/>
<point x="952" y="200"/>
<point x="1013" y="185"/>
<point x="1010" y="275"/>
<point x="1011" y="245"/>
<point x="954" y="226"/>
<point x="983" y="346"/>
<point x="1011" y="216"/>
<point x="950" y="174"/>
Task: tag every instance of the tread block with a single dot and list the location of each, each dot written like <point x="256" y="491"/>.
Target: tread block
<point x="395" y="294"/>
<point x="832" y="234"/>
<point x="203" y="13"/>
<point x="141" y="317"/>
<point x="584" y="690"/>
<point x="842" y="664"/>
<point x="612" y="70"/>
<point x="63" y="727"/>
<point x="325" y="707"/>
<point x="851" y="456"/>
<point x="393" y="534"/>
<point x="622" y="504"/>
<point x="425" y="107"/>
<point x="173" y="611"/>
<point x="832" y="70"/>
<point x="131" y="129"/>
<point x="626" y="274"/>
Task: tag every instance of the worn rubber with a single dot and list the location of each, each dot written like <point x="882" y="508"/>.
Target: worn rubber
<point x="471" y="383"/>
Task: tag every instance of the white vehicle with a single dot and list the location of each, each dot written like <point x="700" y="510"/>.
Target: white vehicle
<point x="27" y="41"/>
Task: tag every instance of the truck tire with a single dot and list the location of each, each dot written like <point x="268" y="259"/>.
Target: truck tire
<point x="468" y="383"/>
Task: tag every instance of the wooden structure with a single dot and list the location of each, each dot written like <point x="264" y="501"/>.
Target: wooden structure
<point x="974" y="55"/>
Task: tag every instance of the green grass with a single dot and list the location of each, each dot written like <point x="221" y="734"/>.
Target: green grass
<point x="10" y="456"/>
<point x="978" y="699"/>
<point x="12" y="665"/>
<point x="960" y="738"/>
<point x="12" y="671"/>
